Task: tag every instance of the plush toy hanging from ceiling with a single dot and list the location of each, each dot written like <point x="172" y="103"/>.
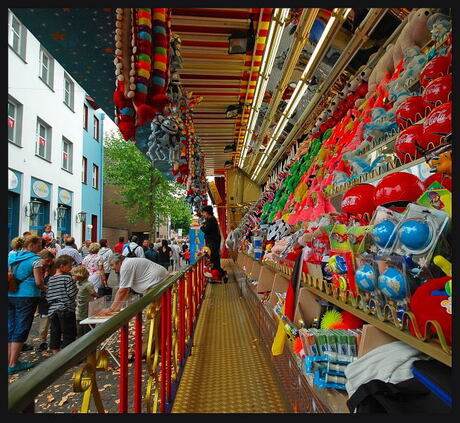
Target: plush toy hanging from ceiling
<point x="141" y="66"/>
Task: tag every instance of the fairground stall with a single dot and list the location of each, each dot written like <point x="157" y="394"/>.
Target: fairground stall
<point x="323" y="139"/>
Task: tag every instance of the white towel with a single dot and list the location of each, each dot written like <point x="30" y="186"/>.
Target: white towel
<point x="391" y="363"/>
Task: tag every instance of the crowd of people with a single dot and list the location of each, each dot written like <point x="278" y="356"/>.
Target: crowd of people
<point x="55" y="281"/>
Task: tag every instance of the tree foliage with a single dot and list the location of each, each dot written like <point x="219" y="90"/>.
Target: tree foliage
<point x="144" y="191"/>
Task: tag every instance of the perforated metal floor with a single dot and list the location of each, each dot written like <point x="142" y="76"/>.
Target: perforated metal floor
<point x="228" y="371"/>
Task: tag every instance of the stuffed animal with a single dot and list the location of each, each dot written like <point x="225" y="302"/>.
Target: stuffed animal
<point x="426" y="304"/>
<point x="164" y="138"/>
<point x="414" y="62"/>
<point x="439" y="25"/>
<point x="382" y="69"/>
<point x="415" y="32"/>
<point x="175" y="54"/>
<point x="442" y="163"/>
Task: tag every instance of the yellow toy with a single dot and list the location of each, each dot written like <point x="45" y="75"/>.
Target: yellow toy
<point x="442" y="163"/>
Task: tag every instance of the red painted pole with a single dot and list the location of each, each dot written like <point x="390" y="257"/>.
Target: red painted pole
<point x="168" y="344"/>
<point x="138" y="365"/>
<point x="163" y="355"/>
<point x="196" y="290"/>
<point x="124" y="332"/>
<point x="181" y="316"/>
<point x="190" y="302"/>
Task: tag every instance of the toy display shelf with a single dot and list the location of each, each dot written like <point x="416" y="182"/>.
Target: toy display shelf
<point x="384" y="319"/>
<point x="290" y="367"/>
<point x="415" y="85"/>
<point x="380" y="145"/>
<point x="375" y="175"/>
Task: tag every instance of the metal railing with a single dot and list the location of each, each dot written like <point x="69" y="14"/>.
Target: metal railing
<point x="171" y="308"/>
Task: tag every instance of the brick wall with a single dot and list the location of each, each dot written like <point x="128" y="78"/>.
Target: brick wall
<point x="112" y="235"/>
<point x="115" y="221"/>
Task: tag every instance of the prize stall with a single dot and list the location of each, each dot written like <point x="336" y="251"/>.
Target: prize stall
<point x="347" y="252"/>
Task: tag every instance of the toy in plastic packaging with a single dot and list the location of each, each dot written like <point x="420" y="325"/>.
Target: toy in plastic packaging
<point x="393" y="284"/>
<point x="437" y="197"/>
<point x="340" y="265"/>
<point x="366" y="277"/>
<point x="380" y="237"/>
<point x="338" y="237"/>
<point x="356" y="235"/>
<point x="419" y="232"/>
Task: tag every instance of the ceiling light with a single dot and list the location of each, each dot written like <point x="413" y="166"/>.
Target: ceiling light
<point x="240" y="42"/>
<point x="271" y="47"/>
<point x="233" y="110"/>
<point x="230" y="147"/>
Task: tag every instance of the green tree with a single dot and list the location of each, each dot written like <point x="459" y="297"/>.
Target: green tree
<point x="145" y="192"/>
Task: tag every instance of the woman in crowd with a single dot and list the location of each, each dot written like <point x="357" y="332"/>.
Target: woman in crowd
<point x="26" y="266"/>
<point x="105" y="252"/>
<point x="17" y="244"/>
<point x="164" y="254"/>
<point x="94" y="263"/>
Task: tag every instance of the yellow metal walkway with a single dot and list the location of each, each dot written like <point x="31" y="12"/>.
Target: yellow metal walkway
<point x="228" y="370"/>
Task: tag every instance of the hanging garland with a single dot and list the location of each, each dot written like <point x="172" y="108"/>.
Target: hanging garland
<point x="141" y="67"/>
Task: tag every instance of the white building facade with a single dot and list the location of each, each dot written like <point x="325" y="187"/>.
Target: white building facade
<point x="45" y="139"/>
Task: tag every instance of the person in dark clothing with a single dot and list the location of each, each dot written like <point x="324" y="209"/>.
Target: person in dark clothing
<point x="210" y="227"/>
<point x="164" y="254"/>
<point x="151" y="254"/>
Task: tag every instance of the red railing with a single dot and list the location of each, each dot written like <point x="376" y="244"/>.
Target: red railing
<point x="168" y="314"/>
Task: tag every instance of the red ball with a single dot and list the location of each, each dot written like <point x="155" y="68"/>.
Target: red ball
<point x="437" y="92"/>
<point x="442" y="178"/>
<point x="437" y="125"/>
<point x="396" y="187"/>
<point x="410" y="111"/>
<point x="406" y="143"/>
<point x="359" y="199"/>
<point x="435" y="68"/>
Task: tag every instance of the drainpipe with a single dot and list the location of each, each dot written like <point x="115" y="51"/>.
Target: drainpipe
<point x="101" y="195"/>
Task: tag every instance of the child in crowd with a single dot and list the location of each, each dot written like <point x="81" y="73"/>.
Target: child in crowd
<point x="60" y="295"/>
<point x="86" y="291"/>
<point x="186" y="255"/>
<point x="48" y="271"/>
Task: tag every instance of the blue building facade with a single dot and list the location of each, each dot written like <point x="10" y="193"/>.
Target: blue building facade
<point x="92" y="170"/>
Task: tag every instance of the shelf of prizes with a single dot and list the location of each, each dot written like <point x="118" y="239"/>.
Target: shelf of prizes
<point x="322" y="355"/>
<point x="350" y="244"/>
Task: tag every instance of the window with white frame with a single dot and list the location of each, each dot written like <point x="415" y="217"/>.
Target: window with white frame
<point x="14" y="121"/>
<point x="46" y="68"/>
<point x="95" y="176"/>
<point x="96" y="128"/>
<point x="68" y="91"/>
<point x="16" y="35"/>
<point x="67" y="156"/>
<point x="43" y="143"/>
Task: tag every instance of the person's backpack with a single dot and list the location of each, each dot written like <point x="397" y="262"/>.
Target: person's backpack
<point x="131" y="253"/>
<point x="13" y="281"/>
